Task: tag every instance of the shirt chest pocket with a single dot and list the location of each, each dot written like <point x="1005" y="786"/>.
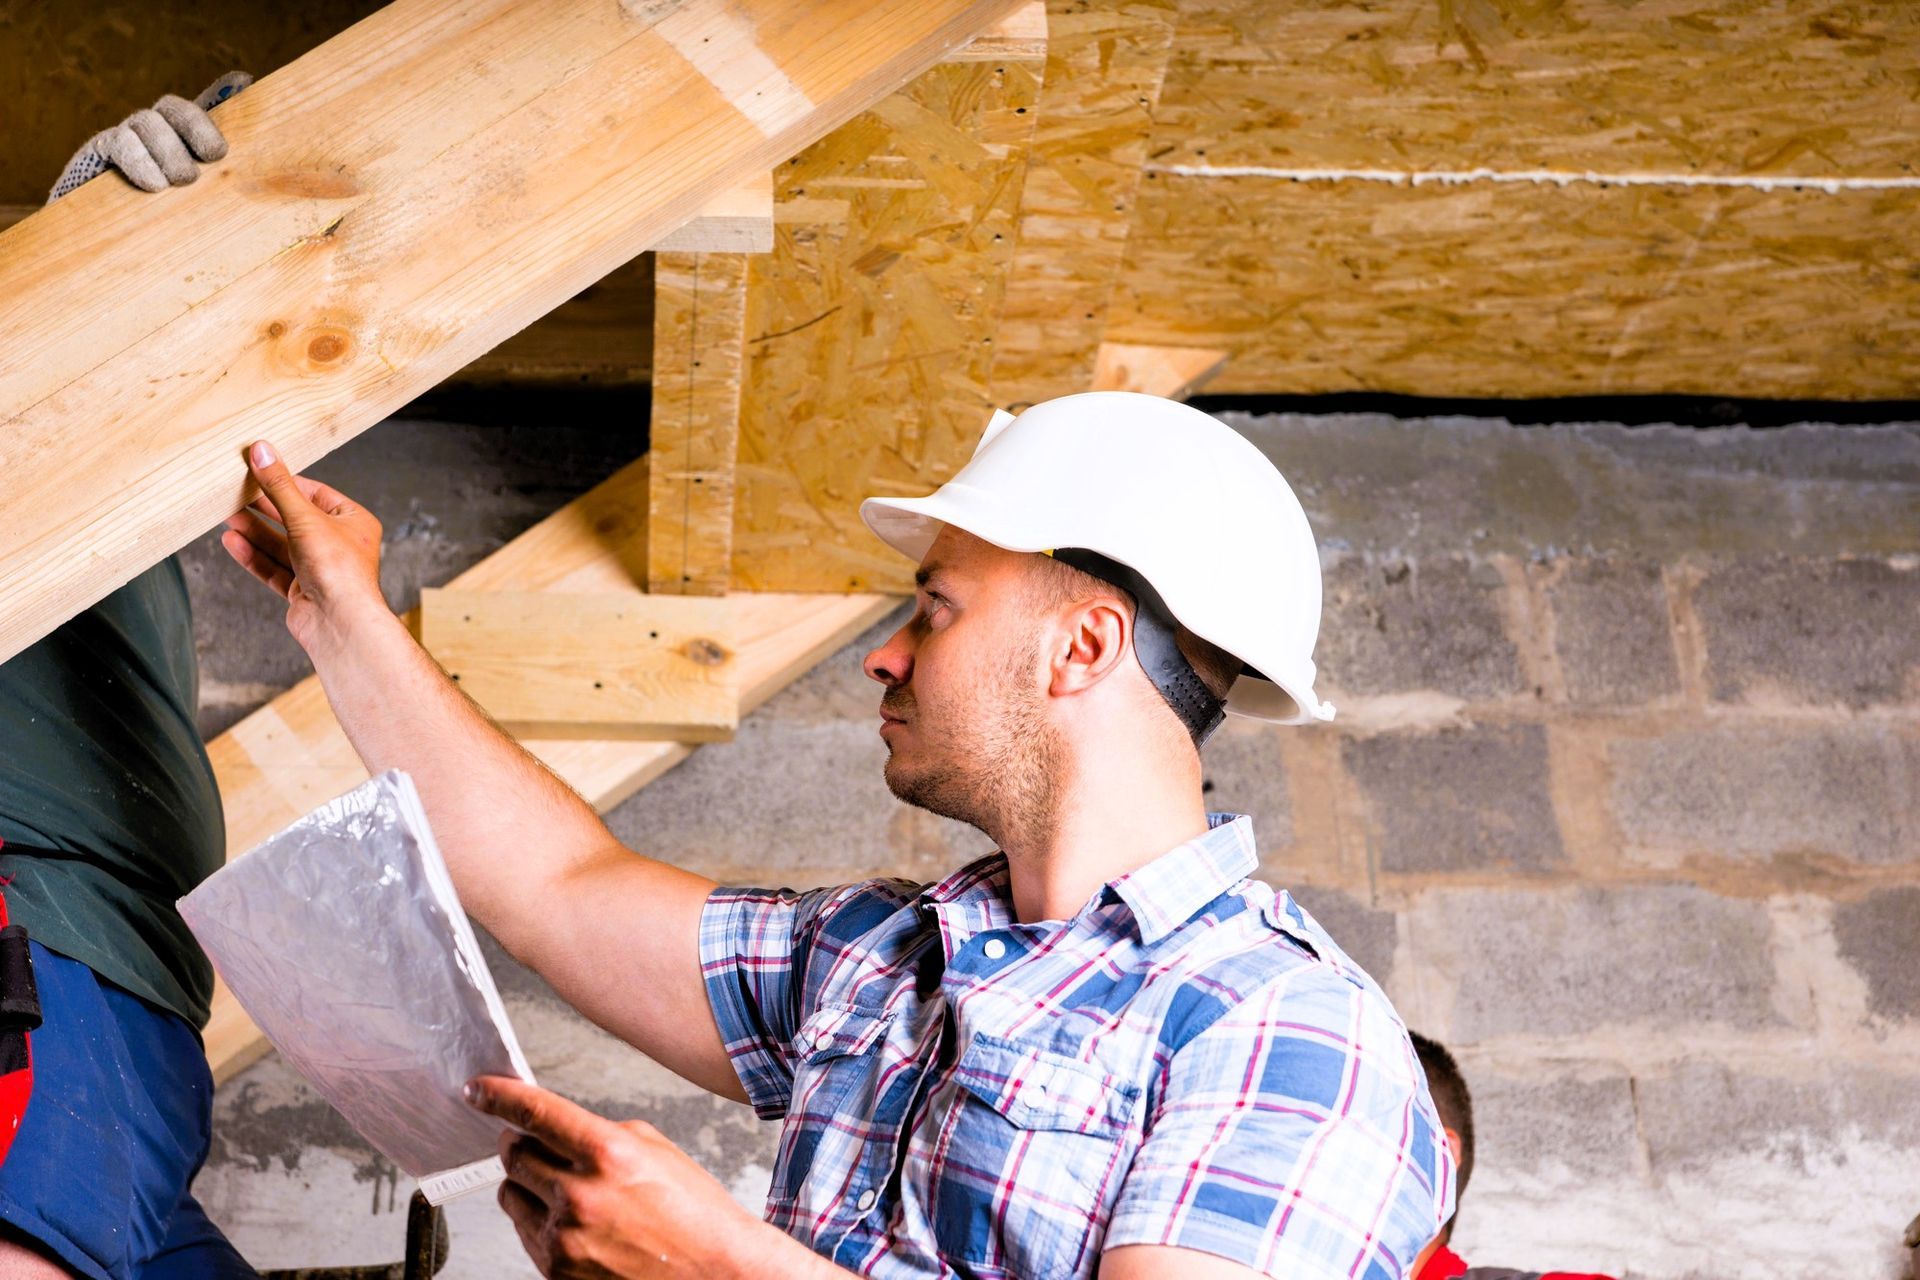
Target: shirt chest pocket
<point x="1030" y="1161"/>
<point x="835" y="1071"/>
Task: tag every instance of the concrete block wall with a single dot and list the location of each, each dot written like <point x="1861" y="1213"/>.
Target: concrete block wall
<point x="1623" y="804"/>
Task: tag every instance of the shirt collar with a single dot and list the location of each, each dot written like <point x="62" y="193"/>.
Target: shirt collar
<point x="1161" y="895"/>
<point x="972" y="900"/>
<point x="1169" y="891"/>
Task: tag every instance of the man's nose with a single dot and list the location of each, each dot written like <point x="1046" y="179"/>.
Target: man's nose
<point x="892" y="662"/>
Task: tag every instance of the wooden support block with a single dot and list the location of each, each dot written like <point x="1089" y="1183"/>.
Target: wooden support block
<point x="874" y="320"/>
<point x="290" y="755"/>
<point x="395" y="203"/>
<point x="699" y="362"/>
<point x="1173" y="373"/>
<point x="1022" y="34"/>
<point x="739" y="221"/>
<point x="1105" y="63"/>
<point x="549" y="664"/>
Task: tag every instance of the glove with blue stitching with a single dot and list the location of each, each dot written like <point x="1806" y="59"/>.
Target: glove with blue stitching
<point x="156" y="148"/>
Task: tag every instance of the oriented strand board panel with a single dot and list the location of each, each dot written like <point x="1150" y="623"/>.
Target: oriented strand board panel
<point x="1523" y="290"/>
<point x="396" y="202"/>
<point x="290" y="755"/>
<point x="548" y="664"/>
<point x="873" y="321"/>
<point x="1808" y="87"/>
<point x="1105" y="61"/>
<point x="699" y="362"/>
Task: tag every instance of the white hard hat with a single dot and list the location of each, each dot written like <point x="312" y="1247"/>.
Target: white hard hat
<point x="1177" y="497"/>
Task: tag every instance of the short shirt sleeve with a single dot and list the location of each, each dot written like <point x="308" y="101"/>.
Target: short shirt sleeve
<point x="1294" y="1136"/>
<point x="765" y="956"/>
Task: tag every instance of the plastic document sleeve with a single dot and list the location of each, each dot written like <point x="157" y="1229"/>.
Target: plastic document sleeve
<point x="343" y="940"/>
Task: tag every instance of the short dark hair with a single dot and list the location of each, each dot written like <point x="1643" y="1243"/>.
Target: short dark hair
<point x="1455" y="1105"/>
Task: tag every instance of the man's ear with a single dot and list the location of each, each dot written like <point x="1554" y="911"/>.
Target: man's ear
<point x="1453" y="1142"/>
<point x="1093" y="641"/>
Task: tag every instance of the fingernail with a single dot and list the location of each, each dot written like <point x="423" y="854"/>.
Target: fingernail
<point x="263" y="455"/>
<point x="472" y="1092"/>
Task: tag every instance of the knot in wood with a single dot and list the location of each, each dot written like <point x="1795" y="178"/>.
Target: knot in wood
<point x="705" y="652"/>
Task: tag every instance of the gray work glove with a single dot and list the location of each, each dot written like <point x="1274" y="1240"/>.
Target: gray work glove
<point x="156" y="148"/>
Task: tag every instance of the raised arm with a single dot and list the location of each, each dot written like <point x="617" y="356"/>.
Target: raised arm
<point x="615" y="933"/>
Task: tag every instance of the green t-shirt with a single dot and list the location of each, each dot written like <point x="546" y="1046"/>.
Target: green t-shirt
<point x="101" y="763"/>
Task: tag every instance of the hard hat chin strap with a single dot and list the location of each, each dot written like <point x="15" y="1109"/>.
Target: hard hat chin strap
<point x="1156" y="643"/>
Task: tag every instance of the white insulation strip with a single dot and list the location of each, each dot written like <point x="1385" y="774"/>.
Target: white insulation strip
<point x="1547" y="177"/>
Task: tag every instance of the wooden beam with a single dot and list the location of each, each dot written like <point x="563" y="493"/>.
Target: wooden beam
<point x="699" y="363"/>
<point x="1105" y="64"/>
<point x="873" y="322"/>
<point x="1170" y="372"/>
<point x="549" y="664"/>
<point x="290" y="755"/>
<point x="738" y="220"/>
<point x="396" y="202"/>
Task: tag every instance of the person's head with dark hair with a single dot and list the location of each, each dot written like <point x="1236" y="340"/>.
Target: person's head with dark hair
<point x="1455" y="1105"/>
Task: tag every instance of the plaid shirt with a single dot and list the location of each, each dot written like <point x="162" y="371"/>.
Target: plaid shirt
<point x="1188" y="1061"/>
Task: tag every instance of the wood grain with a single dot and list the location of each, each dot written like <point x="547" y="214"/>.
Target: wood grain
<point x="1105" y="63"/>
<point x="547" y="664"/>
<point x="1529" y="291"/>
<point x="396" y="202"/>
<point x="1672" y="86"/>
<point x="699" y="365"/>
<point x="873" y="321"/>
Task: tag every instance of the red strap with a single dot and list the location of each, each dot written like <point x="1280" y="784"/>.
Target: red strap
<point x="1445" y="1264"/>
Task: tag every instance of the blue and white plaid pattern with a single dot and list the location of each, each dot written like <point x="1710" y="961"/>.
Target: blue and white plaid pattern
<point x="1189" y="1061"/>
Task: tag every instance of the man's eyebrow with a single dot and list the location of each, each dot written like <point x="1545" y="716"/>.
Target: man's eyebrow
<point x="925" y="574"/>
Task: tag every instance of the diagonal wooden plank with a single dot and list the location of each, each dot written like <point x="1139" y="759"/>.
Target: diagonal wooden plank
<point x="397" y="201"/>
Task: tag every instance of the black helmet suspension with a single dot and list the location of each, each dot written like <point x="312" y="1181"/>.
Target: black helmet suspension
<point x="1155" y="643"/>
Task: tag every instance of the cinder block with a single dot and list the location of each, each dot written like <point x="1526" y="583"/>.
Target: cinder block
<point x="1764" y="790"/>
<point x="1366" y="935"/>
<point x="1880" y="937"/>
<point x="789" y="804"/>
<point x="1567" y="961"/>
<point x="1811" y="632"/>
<point x="1702" y="1112"/>
<point x="1459" y="799"/>
<point x="1402" y="626"/>
<point x="1525" y="1126"/>
<point x="1244" y="774"/>
<point x="1611" y="631"/>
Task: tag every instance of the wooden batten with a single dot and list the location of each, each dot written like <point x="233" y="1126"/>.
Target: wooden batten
<point x="699" y="364"/>
<point x="395" y="203"/>
<point x="1173" y="373"/>
<point x="547" y="664"/>
<point x="1105" y="64"/>
<point x="874" y="319"/>
<point x="291" y="755"/>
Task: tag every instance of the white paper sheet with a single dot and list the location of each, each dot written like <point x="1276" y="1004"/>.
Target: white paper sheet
<point x="344" y="941"/>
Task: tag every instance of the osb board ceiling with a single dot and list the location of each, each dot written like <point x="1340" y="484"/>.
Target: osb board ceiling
<point x="870" y="326"/>
<point x="1492" y="280"/>
<point x="1709" y="86"/>
<point x="1530" y="290"/>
